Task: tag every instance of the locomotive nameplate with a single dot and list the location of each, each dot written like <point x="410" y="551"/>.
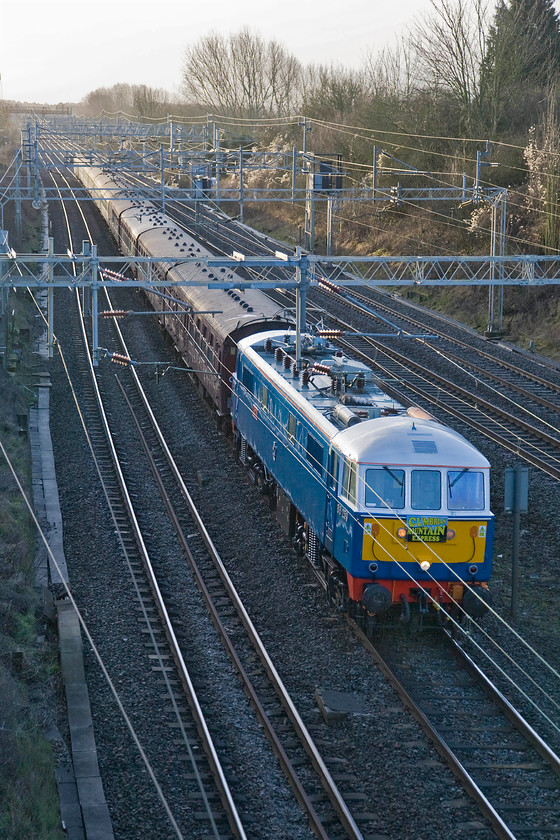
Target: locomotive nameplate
<point x="426" y="528"/>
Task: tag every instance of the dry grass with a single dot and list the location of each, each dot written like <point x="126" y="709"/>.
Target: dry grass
<point x="530" y="315"/>
<point x="29" y="808"/>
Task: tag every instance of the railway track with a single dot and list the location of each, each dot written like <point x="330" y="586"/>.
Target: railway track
<point x="411" y="381"/>
<point x="510" y="381"/>
<point x="193" y="744"/>
<point x="495" y="754"/>
<point x="533" y="387"/>
<point x="547" y="821"/>
<point x="294" y="747"/>
<point x="214" y="812"/>
<point x="162" y="619"/>
<point x="528" y="429"/>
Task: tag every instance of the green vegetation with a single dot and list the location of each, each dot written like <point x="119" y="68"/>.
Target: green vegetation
<point x="29" y="800"/>
<point x="29" y="806"/>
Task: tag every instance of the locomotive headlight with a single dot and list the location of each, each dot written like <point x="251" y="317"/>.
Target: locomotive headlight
<point x="450" y="534"/>
<point x="401" y="533"/>
<point x="425" y="565"/>
<point x="473" y="569"/>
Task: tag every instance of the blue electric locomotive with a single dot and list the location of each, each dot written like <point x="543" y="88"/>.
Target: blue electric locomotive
<point x="393" y="505"/>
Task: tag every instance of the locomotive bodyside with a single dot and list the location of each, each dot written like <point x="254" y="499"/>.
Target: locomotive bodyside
<point x="396" y="506"/>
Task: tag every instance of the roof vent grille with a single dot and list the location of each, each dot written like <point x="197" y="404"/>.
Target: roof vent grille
<point x="425" y="447"/>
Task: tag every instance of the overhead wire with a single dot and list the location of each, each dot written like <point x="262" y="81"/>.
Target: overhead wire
<point x="83" y="623"/>
<point x="68" y="593"/>
<point x="431" y="548"/>
<point x="248" y="398"/>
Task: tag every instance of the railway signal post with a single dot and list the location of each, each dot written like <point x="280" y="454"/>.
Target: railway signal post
<point x="516" y="501"/>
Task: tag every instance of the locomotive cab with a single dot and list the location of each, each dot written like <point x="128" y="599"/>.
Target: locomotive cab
<point x="421" y="522"/>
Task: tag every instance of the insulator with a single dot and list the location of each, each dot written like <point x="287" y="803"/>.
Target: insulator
<point x="287" y="361"/>
<point x="119" y="359"/>
<point x="331" y="333"/>
<point x="305" y="376"/>
<point x="113" y="274"/>
<point x="268" y="345"/>
<point x="328" y="285"/>
<point x="278" y="353"/>
<point x="114" y="313"/>
<point x="319" y="368"/>
<point x="295" y="370"/>
<point x="336" y="385"/>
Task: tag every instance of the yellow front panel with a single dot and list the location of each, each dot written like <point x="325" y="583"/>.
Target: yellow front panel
<point x="381" y="544"/>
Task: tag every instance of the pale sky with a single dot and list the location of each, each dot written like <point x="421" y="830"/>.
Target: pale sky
<point x="57" y="51"/>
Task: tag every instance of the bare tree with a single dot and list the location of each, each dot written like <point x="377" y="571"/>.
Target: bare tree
<point x="241" y="74"/>
<point x="134" y="100"/>
<point x="108" y="100"/>
<point x="450" y="45"/>
<point x="333" y="92"/>
<point x="390" y="73"/>
<point x="149" y="102"/>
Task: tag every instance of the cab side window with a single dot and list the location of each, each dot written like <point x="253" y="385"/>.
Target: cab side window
<point x="348" y="488"/>
<point x="332" y="472"/>
<point x="248" y="379"/>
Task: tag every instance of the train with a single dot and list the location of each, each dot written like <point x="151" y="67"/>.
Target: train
<point x="389" y="505"/>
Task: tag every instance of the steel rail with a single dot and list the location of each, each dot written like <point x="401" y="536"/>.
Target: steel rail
<point x="533" y="377"/>
<point x="500" y="827"/>
<point x="444" y="387"/>
<point x="447" y="386"/>
<point x="510" y="711"/>
<point x="328" y="783"/>
<point x="184" y="676"/>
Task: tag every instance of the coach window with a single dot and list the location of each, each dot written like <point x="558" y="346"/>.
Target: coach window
<point x="349" y="481"/>
<point x="426" y="490"/>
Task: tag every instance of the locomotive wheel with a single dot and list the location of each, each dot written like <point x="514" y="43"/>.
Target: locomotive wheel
<point x="337" y="591"/>
<point x="405" y="613"/>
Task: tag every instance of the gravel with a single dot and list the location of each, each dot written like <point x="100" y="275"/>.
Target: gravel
<point x="380" y="751"/>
